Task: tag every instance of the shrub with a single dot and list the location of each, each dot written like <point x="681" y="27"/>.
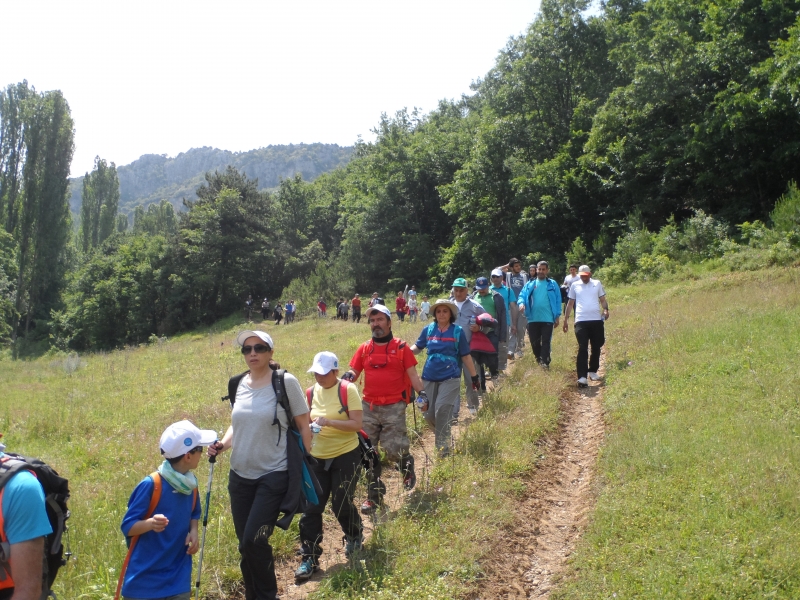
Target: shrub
<point x="786" y="214"/>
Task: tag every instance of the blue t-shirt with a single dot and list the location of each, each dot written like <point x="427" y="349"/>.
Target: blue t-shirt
<point x="542" y="312"/>
<point x="159" y="566"/>
<point x="508" y="296"/>
<point x="442" y="360"/>
<point x="24" y="513"/>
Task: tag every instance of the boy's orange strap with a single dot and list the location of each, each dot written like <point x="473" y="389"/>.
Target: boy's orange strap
<point x="156" y="477"/>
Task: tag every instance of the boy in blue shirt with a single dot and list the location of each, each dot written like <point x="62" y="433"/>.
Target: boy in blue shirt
<point x="160" y="565"/>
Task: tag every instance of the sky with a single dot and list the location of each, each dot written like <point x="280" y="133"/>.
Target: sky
<point x="161" y="77"/>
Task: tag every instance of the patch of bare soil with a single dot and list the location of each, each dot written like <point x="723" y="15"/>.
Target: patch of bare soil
<point x="533" y="552"/>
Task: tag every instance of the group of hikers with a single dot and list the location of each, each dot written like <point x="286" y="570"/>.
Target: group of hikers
<point x="293" y="450"/>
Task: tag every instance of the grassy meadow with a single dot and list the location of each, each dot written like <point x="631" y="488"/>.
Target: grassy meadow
<point x="97" y="419"/>
<point x="700" y="493"/>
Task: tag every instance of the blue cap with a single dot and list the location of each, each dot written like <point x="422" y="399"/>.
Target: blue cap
<point x="481" y="283"/>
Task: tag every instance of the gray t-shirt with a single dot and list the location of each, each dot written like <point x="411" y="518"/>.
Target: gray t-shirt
<point x="256" y="450"/>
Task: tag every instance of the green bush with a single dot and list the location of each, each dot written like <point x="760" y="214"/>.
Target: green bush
<point x="786" y="214"/>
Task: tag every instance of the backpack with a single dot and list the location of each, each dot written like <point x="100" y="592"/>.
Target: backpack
<point x="408" y="393"/>
<point x="56" y="495"/>
<point x="369" y="454"/>
<point x="458" y="329"/>
<point x="304" y="489"/>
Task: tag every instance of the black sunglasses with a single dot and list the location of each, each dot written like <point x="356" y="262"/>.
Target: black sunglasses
<point x="259" y="348"/>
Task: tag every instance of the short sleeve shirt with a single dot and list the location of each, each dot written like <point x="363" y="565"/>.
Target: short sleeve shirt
<point x="159" y="566"/>
<point x="384" y="367"/>
<point x="443" y="352"/>
<point x="259" y="447"/>
<point x="587" y="300"/>
<point x="24" y="514"/>
<point x="331" y="442"/>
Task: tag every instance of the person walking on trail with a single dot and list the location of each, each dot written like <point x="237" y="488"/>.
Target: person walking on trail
<point x="160" y="564"/>
<point x="568" y="281"/>
<point x="291" y="311"/>
<point x="390" y="373"/>
<point x="494" y="304"/>
<point x="447" y="349"/>
<point x="355" y="304"/>
<point x="413" y="308"/>
<point x="510" y="300"/>
<point x="338" y="466"/>
<point x="400" y="306"/>
<point x="424" y="309"/>
<point x="540" y="302"/>
<point x="322" y="308"/>
<point x="264" y="309"/>
<point x="515" y="280"/>
<point x="259" y="476"/>
<point x="24" y="527"/>
<point x="278" y="313"/>
<point x="587" y="296"/>
<point x="374" y="300"/>
<point x="468" y="311"/>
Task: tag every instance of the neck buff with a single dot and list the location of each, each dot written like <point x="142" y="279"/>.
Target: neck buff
<point x="383" y="340"/>
<point x="185" y="483"/>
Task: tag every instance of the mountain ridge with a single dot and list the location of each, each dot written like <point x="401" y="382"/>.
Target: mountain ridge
<point x="155" y="177"/>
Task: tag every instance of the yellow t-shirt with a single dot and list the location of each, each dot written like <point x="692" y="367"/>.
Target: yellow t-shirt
<point x="331" y="442"/>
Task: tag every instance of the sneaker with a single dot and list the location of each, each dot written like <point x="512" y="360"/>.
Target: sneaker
<point x="306" y="569"/>
<point x="368" y="507"/>
<point x="352" y="545"/>
<point x="409" y="481"/>
<point x="473" y="412"/>
<point x="582" y="382"/>
<point x="594" y="376"/>
<point x="545" y="366"/>
<point x="518" y="354"/>
<point x="510" y="356"/>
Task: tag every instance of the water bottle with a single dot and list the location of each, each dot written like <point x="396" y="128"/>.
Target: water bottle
<point x="315" y="428"/>
<point x="472" y="321"/>
<point x="422" y="403"/>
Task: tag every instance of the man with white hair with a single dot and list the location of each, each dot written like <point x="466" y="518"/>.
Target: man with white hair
<point x="587" y="296"/>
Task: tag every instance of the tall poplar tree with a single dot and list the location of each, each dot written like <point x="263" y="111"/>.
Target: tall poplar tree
<point x="100" y="201"/>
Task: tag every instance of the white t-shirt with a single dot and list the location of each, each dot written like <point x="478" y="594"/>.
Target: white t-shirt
<point x="569" y="280"/>
<point x="425" y="307"/>
<point x="587" y="300"/>
<point x="256" y="450"/>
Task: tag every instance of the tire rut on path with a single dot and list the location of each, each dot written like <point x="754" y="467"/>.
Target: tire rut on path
<point x="560" y="498"/>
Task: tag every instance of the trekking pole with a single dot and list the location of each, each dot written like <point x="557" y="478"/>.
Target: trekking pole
<point x="211" y="460"/>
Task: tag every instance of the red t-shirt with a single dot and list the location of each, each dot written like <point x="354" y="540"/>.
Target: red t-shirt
<point x="384" y="369"/>
<point x="400" y="304"/>
<point x="356" y="302"/>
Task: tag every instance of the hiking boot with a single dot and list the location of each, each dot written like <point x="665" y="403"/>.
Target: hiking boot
<point x="368" y="507"/>
<point x="352" y="545"/>
<point x="545" y="366"/>
<point x="510" y="356"/>
<point x="409" y="481"/>
<point x="594" y="376"/>
<point x="582" y="383"/>
<point x="473" y="412"/>
<point x="407" y="469"/>
<point x="306" y="569"/>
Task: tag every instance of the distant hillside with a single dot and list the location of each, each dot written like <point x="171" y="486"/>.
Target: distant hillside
<point x="156" y="177"/>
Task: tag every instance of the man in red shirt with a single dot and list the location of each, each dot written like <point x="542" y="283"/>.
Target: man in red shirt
<point x="390" y="372"/>
<point x="356" y="304"/>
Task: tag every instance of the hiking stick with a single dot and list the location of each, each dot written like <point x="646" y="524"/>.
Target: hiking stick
<point x="211" y="460"/>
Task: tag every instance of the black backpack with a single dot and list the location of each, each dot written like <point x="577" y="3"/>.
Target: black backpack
<point x="56" y="495"/>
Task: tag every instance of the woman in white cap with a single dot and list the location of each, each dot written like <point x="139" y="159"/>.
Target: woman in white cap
<point x="448" y="348"/>
<point x="259" y="476"/>
<point x="336" y="415"/>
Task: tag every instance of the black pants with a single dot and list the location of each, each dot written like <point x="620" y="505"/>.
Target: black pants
<point x="357" y="315"/>
<point x="540" y="335"/>
<point x="338" y="482"/>
<point x="255" y="505"/>
<point x="589" y="332"/>
<point x="489" y="360"/>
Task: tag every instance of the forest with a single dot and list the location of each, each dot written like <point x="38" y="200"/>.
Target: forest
<point x="635" y="139"/>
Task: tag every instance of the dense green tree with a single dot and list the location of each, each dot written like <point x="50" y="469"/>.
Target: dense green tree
<point x="99" y="204"/>
<point x="158" y="219"/>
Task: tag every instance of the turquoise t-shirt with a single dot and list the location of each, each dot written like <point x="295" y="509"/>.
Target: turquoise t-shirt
<point x="24" y="513"/>
<point x="542" y="311"/>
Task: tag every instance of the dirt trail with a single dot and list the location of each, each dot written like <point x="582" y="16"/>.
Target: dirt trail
<point x="561" y="496"/>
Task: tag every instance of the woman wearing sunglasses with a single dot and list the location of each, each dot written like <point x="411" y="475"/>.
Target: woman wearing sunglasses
<point x="259" y="477"/>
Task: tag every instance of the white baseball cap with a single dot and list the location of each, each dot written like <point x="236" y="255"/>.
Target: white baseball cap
<point x="324" y="363"/>
<point x="182" y="436"/>
<point x="262" y="335"/>
<point x="497" y="273"/>
<point x="380" y="308"/>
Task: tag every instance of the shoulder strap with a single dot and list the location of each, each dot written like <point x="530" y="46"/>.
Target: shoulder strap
<point x="430" y="329"/>
<point x="309" y="395"/>
<point x="156" y="496"/>
<point x="343" y="396"/>
<point x="233" y="385"/>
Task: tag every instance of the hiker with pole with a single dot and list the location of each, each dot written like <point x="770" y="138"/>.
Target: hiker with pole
<point x="336" y="420"/>
<point x="262" y="471"/>
<point x="161" y="522"/>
